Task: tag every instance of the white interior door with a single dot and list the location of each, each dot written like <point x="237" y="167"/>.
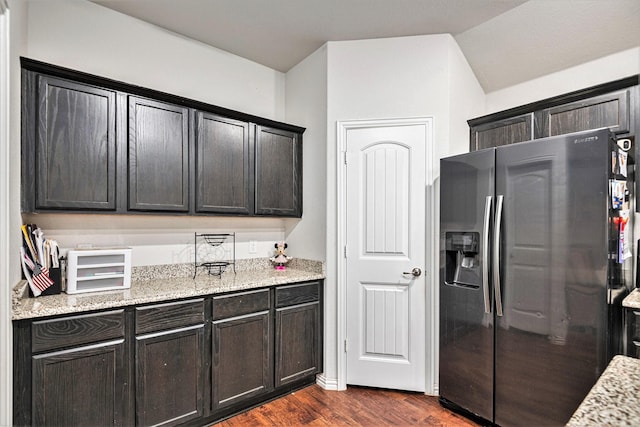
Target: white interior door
<point x="385" y="242"/>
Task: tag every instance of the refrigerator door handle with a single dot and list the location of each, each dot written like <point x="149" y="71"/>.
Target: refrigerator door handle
<point x="485" y="254"/>
<point x="496" y="255"/>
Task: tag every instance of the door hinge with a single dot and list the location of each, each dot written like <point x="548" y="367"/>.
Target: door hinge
<point x="345" y="251"/>
<point x="345" y="346"/>
<point x="344" y="155"/>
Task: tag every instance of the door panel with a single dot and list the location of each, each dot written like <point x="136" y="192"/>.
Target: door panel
<point x="502" y="132"/>
<point x="387" y="333"/>
<point x="241" y="358"/>
<point x="223" y="165"/>
<point x="386" y="237"/>
<point x="297" y="343"/>
<point x="158" y="156"/>
<point x="76" y="146"/>
<point x="79" y="386"/>
<point x="278" y="172"/>
<point x="466" y="329"/>
<point x="610" y="110"/>
<point x="169" y="377"/>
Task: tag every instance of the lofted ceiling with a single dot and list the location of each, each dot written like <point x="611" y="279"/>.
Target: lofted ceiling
<point x="505" y="41"/>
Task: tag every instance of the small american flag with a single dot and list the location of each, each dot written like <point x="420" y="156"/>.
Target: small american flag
<point x="41" y="277"/>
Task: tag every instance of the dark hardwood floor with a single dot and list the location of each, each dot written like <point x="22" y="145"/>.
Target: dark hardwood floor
<point x="357" y="406"/>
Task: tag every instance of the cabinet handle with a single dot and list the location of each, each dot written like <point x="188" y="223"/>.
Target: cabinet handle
<point x="415" y="272"/>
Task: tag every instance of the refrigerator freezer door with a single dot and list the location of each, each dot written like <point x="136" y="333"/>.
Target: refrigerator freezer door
<point x="550" y="341"/>
<point x="466" y="319"/>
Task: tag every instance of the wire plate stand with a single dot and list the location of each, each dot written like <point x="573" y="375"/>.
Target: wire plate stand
<point x="210" y="255"/>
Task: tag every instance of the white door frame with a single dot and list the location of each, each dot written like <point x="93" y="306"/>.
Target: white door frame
<point x="431" y="261"/>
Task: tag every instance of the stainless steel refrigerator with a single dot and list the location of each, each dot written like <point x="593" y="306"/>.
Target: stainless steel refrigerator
<point x="533" y="270"/>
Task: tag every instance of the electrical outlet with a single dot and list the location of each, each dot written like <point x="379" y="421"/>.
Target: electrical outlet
<point x="253" y="246"/>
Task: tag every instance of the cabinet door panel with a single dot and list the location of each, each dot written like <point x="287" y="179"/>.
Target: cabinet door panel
<point x="223" y="165"/>
<point x="297" y="345"/>
<point x="610" y="110"/>
<point x="241" y="358"/>
<point x="632" y="325"/>
<point x="80" y="387"/>
<point x="75" y="146"/>
<point x="278" y="184"/>
<point x="169" y="377"/>
<point x="502" y="132"/>
<point x="158" y="156"/>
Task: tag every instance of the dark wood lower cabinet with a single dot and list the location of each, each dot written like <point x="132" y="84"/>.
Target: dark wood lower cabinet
<point x="71" y="371"/>
<point x="242" y="362"/>
<point x="79" y="386"/>
<point x="297" y="342"/>
<point x="169" y="380"/>
<point x="632" y="326"/>
<point x="186" y="362"/>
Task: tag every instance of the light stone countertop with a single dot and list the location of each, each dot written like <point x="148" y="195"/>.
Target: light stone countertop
<point x="615" y="398"/>
<point x="632" y="300"/>
<point x="148" y="285"/>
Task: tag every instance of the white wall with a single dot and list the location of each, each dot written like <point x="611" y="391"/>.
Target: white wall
<point x="84" y="36"/>
<point x="466" y="100"/>
<point x="17" y="46"/>
<point x="18" y="42"/>
<point x="613" y="67"/>
<point x="157" y="240"/>
<point x="306" y="105"/>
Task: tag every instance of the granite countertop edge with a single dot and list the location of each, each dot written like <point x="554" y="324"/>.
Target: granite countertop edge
<point x="615" y="398"/>
<point x="632" y="300"/>
<point x="155" y="289"/>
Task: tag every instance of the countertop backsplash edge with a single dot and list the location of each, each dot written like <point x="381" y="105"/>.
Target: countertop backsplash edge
<point x="159" y="283"/>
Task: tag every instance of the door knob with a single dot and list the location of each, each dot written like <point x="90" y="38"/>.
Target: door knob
<point x="415" y="272"/>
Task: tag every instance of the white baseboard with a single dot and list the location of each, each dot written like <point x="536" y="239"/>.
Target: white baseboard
<point x="327" y="383"/>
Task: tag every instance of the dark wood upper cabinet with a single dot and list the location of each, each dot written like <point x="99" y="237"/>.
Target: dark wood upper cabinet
<point x="610" y="110"/>
<point x="72" y="164"/>
<point x="614" y="105"/>
<point x="158" y="156"/>
<point x="223" y="165"/>
<point x="278" y="181"/>
<point x="91" y="144"/>
<point x="502" y="132"/>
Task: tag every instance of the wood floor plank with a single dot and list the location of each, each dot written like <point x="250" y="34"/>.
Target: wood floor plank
<point x="357" y="406"/>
